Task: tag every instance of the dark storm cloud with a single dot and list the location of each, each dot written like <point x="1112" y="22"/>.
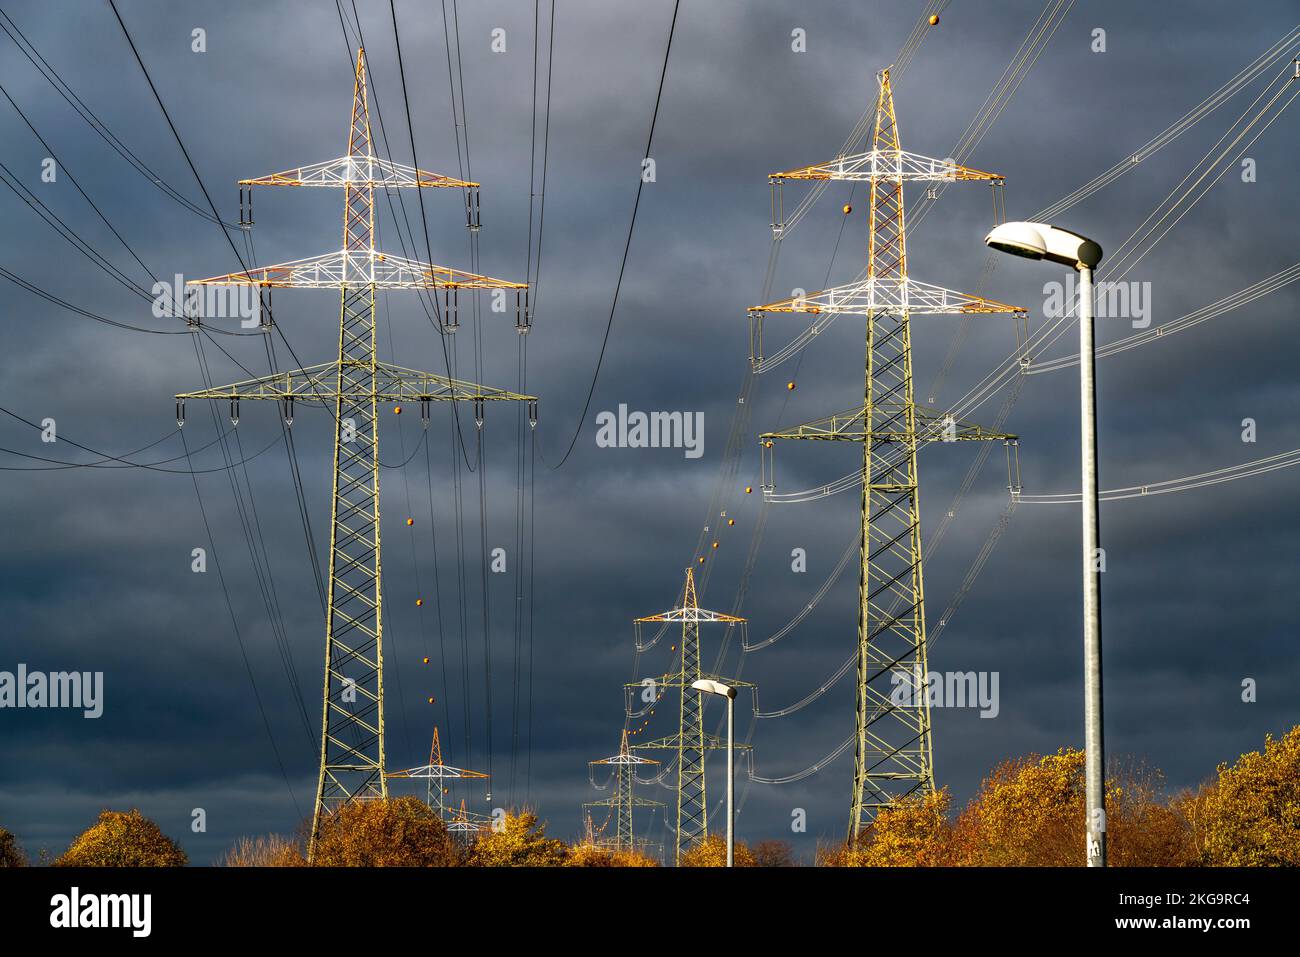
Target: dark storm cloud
<point x="96" y="572"/>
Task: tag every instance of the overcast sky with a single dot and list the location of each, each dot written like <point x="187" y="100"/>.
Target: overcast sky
<point x="1199" y="588"/>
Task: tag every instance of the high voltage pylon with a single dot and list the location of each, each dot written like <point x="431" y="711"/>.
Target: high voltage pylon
<point x="434" y="774"/>
<point x="623" y="800"/>
<point x="893" y="755"/>
<point x="352" y="759"/>
<point x="690" y="742"/>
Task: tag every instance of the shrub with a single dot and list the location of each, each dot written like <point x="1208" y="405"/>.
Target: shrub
<point x="273" y="850"/>
<point x="122" y="839"/>
<point x="395" y="832"/>
<point x="518" y="841"/>
<point x="11" y="855"/>
<point x="712" y="852"/>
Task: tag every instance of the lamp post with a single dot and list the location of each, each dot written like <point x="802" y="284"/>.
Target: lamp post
<point x="708" y="686"/>
<point x="1040" y="241"/>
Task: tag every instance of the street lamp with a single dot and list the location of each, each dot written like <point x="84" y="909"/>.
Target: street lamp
<point x="1040" y="241"/>
<point x="708" y="686"/>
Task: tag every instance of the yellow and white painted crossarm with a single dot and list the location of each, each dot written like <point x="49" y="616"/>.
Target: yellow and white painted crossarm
<point x="359" y="171"/>
<point x="358" y="267"/>
<point x="887" y="163"/>
<point x="895" y="294"/>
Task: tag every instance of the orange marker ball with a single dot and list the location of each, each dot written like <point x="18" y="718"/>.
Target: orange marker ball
<point x="934" y="19"/>
<point x="419" y="602"/>
<point x="410" y="521"/>
<point x="848" y="208"/>
<point x="790" y="386"/>
<point x="397" y="410"/>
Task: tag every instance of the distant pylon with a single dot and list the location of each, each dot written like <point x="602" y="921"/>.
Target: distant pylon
<point x="893" y="757"/>
<point x="352" y="761"/>
<point x="434" y="774"/>
<point x="623" y="801"/>
<point x="690" y="742"/>
<point x="465" y="824"/>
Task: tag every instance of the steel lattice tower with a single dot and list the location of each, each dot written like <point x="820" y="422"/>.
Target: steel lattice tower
<point x="690" y="742"/>
<point x="352" y="760"/>
<point x="893" y="755"/>
<point x="624" y="800"/>
<point x="433" y="774"/>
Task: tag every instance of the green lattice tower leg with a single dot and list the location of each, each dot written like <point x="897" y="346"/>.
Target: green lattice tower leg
<point x="624" y="839"/>
<point x="893" y="755"/>
<point x="352" y="739"/>
<point x="692" y="808"/>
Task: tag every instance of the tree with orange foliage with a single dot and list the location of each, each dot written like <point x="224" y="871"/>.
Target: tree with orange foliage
<point x="122" y="839"/>
<point x="396" y="832"/>
<point x="517" y="840"/>
<point x="1030" y="813"/>
<point x="589" y="855"/>
<point x="912" y="832"/>
<point x="1250" y="816"/>
<point x="712" y="852"/>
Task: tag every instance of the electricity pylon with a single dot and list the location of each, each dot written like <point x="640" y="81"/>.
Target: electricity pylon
<point x="623" y="801"/>
<point x="433" y="774"/>
<point x="893" y="757"/>
<point x="466" y="824"/>
<point x="352" y="759"/>
<point x="690" y="742"/>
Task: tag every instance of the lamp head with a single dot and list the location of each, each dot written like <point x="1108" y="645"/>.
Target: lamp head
<point x="1041" y="241"/>
<point x="708" y="686"/>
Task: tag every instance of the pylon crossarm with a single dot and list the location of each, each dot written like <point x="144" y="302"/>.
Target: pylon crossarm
<point x="435" y="771"/>
<point x="624" y="759"/>
<point x="358" y="267"/>
<point x="681" y="615"/>
<point x="392" y="383"/>
<point x="890" y="422"/>
<point x="895" y="294"/>
<point x="359" y="171"/>
<point x="887" y="164"/>
<point x="615" y="802"/>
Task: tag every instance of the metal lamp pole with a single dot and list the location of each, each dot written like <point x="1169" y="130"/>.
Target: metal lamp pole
<point x="707" y="686"/>
<point x="1041" y="241"/>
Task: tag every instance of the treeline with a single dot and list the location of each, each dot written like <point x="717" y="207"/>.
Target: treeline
<point x="1028" y="812"/>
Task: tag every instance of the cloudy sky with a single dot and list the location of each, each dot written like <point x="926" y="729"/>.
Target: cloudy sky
<point x="1199" y="589"/>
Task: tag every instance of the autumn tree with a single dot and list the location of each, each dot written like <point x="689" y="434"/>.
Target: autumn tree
<point x="712" y="852"/>
<point x="122" y="839"/>
<point x="912" y="832"/>
<point x="11" y="855"/>
<point x="589" y="855"/>
<point x="1250" y="815"/>
<point x="773" y="854"/>
<point x="273" y="850"/>
<point x="1030" y="812"/>
<point x="392" y="832"/>
<point x="517" y="840"/>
